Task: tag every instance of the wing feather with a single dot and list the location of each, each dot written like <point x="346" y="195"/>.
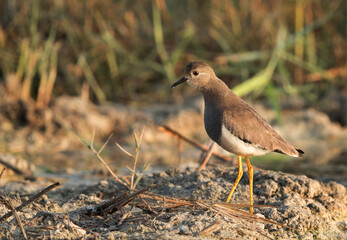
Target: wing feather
<point x="245" y="123"/>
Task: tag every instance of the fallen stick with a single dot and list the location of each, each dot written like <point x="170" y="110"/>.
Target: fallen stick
<point x="2" y="172"/>
<point x="32" y="199"/>
<point x="17" y="170"/>
<point x="126" y="200"/>
<point x="100" y="207"/>
<point x="206" y="157"/>
<point x="117" y="202"/>
<point x="194" y="143"/>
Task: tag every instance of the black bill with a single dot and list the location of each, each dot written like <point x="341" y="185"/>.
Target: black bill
<point x="182" y="80"/>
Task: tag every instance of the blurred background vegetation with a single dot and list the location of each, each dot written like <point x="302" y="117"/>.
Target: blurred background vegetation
<point x="131" y="51"/>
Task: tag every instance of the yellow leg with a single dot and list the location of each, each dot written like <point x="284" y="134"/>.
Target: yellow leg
<point x="239" y="176"/>
<point x="250" y="172"/>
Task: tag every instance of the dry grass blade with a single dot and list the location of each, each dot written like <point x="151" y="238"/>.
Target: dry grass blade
<point x="125" y="151"/>
<point x="241" y="205"/>
<point x="107" y="167"/>
<point x="9" y="204"/>
<point x="32" y="199"/>
<point x="2" y="172"/>
<point x="37" y="230"/>
<point x="93" y="137"/>
<point x="126" y="180"/>
<point x="169" y="199"/>
<point x="144" y="167"/>
<point x="138" y="142"/>
<point x="103" y="146"/>
<point x="215" y="226"/>
<point x="97" y="153"/>
<point x="226" y="210"/>
<point x="131" y="170"/>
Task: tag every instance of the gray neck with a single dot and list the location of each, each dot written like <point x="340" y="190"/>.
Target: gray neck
<point x="215" y="91"/>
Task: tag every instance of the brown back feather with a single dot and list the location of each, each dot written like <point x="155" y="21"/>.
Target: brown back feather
<point x="245" y="123"/>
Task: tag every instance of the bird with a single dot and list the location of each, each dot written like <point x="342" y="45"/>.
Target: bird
<point x="233" y="124"/>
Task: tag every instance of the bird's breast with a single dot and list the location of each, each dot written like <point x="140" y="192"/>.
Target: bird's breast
<point x="213" y="123"/>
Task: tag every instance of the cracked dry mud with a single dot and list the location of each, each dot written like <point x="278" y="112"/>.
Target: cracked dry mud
<point x="318" y="210"/>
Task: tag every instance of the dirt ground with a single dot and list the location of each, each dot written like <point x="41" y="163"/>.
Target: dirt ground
<point x="191" y="209"/>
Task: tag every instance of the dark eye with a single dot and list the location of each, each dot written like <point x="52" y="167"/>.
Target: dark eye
<point x="195" y="73"/>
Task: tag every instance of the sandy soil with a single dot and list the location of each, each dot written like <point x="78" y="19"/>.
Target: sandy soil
<point x="316" y="209"/>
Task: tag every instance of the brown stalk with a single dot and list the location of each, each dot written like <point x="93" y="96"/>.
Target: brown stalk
<point x="117" y="203"/>
<point x="206" y="157"/>
<point x="192" y="142"/>
<point x="138" y="141"/>
<point x="97" y="153"/>
<point x="2" y="172"/>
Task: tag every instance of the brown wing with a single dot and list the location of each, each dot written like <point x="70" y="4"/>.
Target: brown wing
<point x="245" y="123"/>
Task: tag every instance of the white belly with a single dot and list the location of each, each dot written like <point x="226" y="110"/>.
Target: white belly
<point x="234" y="145"/>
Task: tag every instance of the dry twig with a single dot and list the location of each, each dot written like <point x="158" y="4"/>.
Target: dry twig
<point x="17" y="170"/>
<point x="117" y="203"/>
<point x="206" y="157"/>
<point x="2" y="172"/>
<point x="32" y="199"/>
<point x="194" y="143"/>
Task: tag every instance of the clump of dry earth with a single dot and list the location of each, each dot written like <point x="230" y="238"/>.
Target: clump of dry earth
<point x="316" y="209"/>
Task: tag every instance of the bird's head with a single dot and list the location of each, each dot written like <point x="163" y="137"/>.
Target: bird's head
<point x="197" y="74"/>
